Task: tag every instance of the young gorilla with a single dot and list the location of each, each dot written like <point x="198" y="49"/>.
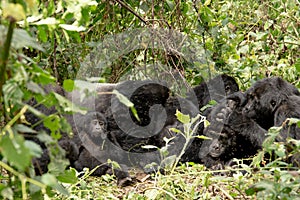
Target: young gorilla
<point x="94" y="147"/>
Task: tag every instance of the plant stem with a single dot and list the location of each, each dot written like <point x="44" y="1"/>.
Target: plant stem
<point x="4" y="53"/>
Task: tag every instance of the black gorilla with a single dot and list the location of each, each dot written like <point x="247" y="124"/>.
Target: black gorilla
<point x="95" y="148"/>
<point x="264" y="97"/>
<point x="237" y="121"/>
<point x="233" y="134"/>
<point x="215" y="89"/>
<point x="149" y="99"/>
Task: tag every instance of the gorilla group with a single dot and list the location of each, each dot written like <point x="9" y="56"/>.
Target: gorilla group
<point x="238" y="123"/>
<point x="241" y="122"/>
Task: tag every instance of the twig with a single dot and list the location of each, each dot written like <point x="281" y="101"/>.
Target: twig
<point x="131" y="10"/>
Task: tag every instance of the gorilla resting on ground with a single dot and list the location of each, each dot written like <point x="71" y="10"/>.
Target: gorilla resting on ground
<point x="233" y="134"/>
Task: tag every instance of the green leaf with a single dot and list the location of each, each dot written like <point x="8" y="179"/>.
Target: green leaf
<point x="114" y="164"/>
<point x="34" y="148"/>
<point x="203" y="137"/>
<point x="206" y="123"/>
<point x="32" y="86"/>
<point x="24" y="129"/>
<point x="124" y="100"/>
<point x="67" y="105"/>
<point x="175" y="130"/>
<point x="15" y="151"/>
<point x="42" y="33"/>
<point x="185" y="119"/>
<point x="68" y="85"/>
<point x="260" y="187"/>
<point x="22" y="39"/>
<point x="50" y="180"/>
<point x="68" y="176"/>
<point x="297" y="65"/>
<point x="52" y="123"/>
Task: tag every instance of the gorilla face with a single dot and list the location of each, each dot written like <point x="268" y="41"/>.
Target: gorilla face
<point x="230" y="85"/>
<point x="216" y="149"/>
<point x="262" y="101"/>
<point x="96" y="128"/>
<point x="95" y="125"/>
<point x="264" y="97"/>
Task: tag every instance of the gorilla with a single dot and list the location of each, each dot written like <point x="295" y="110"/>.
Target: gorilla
<point x="94" y="150"/>
<point x="264" y="97"/>
<point x="233" y="135"/>
<point x="215" y="89"/>
<point x="239" y="123"/>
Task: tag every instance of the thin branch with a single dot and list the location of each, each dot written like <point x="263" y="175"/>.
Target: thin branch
<point x="131" y="10"/>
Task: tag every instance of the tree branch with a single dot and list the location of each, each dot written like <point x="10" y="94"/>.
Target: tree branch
<point x="131" y="10"/>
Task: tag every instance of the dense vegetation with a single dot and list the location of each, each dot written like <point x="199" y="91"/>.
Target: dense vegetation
<point x="45" y="42"/>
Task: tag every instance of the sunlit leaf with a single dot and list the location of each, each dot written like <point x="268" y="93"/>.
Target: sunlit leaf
<point x="149" y="147"/>
<point x="185" y="119"/>
<point x="124" y="100"/>
<point x="14" y="10"/>
<point x="151" y="194"/>
<point x="68" y="85"/>
<point x="203" y="137"/>
<point x="175" y="130"/>
<point x="72" y="27"/>
<point x="47" y="21"/>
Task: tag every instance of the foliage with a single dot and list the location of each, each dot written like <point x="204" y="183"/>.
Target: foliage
<point x="46" y="42"/>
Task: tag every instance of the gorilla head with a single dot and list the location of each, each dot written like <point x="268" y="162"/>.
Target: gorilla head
<point x="215" y="89"/>
<point x="95" y="125"/>
<point x="264" y="97"/>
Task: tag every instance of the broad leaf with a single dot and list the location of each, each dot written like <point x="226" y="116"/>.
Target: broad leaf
<point x="185" y="119"/>
<point x="15" y="151"/>
<point x="68" y="176"/>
